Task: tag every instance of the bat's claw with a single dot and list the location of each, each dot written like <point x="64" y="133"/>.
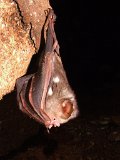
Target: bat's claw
<point x="52" y="123"/>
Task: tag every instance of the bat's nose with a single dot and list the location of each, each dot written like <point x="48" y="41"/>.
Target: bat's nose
<point x="67" y="109"/>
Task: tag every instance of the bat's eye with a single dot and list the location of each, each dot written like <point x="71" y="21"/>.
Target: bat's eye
<point x="67" y="109"/>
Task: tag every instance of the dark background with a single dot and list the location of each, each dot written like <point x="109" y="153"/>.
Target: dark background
<point x="88" y="34"/>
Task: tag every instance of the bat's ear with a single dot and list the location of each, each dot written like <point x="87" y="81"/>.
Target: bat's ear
<point x="67" y="109"/>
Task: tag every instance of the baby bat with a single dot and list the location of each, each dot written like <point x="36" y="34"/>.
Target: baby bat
<point x="46" y="95"/>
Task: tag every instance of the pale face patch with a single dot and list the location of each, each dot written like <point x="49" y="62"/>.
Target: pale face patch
<point x="56" y="79"/>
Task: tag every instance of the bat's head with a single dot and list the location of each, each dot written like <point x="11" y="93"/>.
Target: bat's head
<point x="60" y="103"/>
<point x="60" y="107"/>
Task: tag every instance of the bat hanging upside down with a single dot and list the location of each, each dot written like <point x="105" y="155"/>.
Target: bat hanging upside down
<point x="46" y="95"/>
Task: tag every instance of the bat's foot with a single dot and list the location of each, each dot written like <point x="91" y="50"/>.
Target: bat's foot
<point x="52" y="123"/>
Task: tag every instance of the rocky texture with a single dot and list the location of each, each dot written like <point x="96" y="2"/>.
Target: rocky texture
<point x="21" y="23"/>
<point x="16" y="50"/>
<point x="16" y="47"/>
<point x="34" y="13"/>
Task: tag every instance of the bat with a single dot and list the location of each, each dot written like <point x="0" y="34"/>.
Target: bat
<point x="46" y="95"/>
